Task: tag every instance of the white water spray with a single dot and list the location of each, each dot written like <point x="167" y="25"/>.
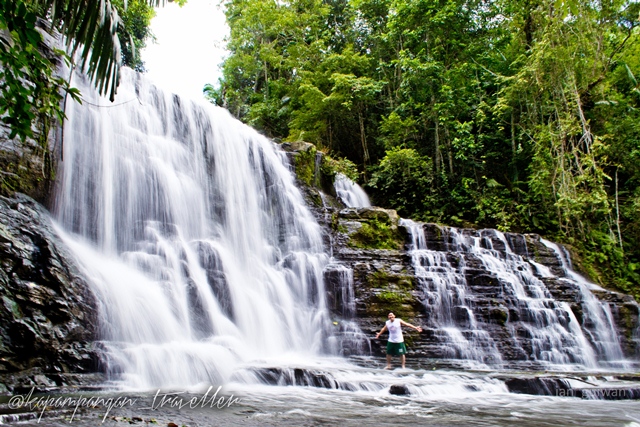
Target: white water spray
<point x="199" y="245"/>
<point x="350" y="193"/>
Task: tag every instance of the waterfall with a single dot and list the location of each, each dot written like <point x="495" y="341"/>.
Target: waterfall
<point x="480" y="265"/>
<point x="348" y="338"/>
<point x="597" y="315"/>
<point x="351" y="194"/>
<point x="447" y="303"/>
<point x="198" y="244"/>
<point x="205" y="259"/>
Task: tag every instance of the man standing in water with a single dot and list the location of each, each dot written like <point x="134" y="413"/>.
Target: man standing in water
<point x="395" y="344"/>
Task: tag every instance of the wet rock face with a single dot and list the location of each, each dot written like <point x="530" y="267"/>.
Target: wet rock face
<point x="383" y="278"/>
<point x="553" y="386"/>
<point x="537" y="386"/>
<point x="370" y="228"/>
<point x="399" y="390"/>
<point x="492" y="316"/>
<point x="46" y="307"/>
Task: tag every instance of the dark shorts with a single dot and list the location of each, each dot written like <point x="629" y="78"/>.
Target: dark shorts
<point x="396" y="348"/>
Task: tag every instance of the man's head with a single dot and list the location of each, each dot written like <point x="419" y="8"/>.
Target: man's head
<point x="391" y="316"/>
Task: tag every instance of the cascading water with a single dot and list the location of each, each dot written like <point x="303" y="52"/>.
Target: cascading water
<point x="348" y="338"/>
<point x="598" y="320"/>
<point x="541" y="329"/>
<point x="451" y="314"/>
<point x="351" y="194"/>
<point x="198" y="243"/>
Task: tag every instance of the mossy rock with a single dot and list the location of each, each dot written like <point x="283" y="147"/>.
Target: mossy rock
<point x="336" y="225"/>
<point x="379" y="309"/>
<point x="389" y="297"/>
<point x="628" y="319"/>
<point x="315" y="197"/>
<point x="500" y="315"/>
<point x="384" y="216"/>
<point x="315" y="168"/>
<point x="305" y="164"/>
<point x="392" y="297"/>
<point x="382" y="279"/>
<point x="379" y="228"/>
<point x="298" y="146"/>
<point x="376" y="234"/>
<point x="31" y="174"/>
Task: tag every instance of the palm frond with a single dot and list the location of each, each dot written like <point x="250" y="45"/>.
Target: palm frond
<point x="90" y="28"/>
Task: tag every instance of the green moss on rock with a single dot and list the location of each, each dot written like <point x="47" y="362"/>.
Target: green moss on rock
<point x="305" y="164"/>
<point x="500" y="315"/>
<point x="381" y="279"/>
<point x="392" y="300"/>
<point x="31" y="174"/>
<point x="376" y="234"/>
<point x="391" y="292"/>
<point x="628" y="319"/>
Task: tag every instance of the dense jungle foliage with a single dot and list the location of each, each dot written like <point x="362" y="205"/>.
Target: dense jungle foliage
<point x="516" y="114"/>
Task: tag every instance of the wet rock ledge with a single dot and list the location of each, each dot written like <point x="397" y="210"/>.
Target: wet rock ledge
<point x="47" y="327"/>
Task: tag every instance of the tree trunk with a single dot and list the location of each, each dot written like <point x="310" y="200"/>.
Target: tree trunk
<point x="437" y="148"/>
<point x="363" y="140"/>
<point x="618" y="214"/>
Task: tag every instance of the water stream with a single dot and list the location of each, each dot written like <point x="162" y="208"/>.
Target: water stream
<point x="351" y="194"/>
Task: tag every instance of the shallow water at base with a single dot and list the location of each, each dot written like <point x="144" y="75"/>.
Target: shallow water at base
<point x="284" y="406"/>
<point x="297" y="406"/>
<point x="439" y="398"/>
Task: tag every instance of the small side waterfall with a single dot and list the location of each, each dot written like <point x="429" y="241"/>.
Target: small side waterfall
<point x="199" y="245"/>
<point x="350" y="193"/>
<point x="348" y="338"/>
<point x="597" y="317"/>
<point x="480" y="266"/>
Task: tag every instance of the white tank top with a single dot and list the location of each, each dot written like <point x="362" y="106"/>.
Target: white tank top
<point x="395" y="331"/>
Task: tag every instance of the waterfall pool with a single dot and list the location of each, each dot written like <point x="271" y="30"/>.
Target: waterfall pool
<point x="440" y="398"/>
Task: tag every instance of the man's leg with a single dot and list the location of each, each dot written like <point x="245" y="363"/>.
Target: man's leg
<point x="388" y="361"/>
<point x="403" y="359"/>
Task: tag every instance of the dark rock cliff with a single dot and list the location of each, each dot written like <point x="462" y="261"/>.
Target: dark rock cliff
<point x="47" y="323"/>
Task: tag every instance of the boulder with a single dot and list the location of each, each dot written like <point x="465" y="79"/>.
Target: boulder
<point x="399" y="390"/>
<point x="47" y="311"/>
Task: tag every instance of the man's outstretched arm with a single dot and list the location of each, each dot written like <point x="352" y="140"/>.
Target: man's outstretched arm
<point x="384" y="328"/>
<point x="402" y="322"/>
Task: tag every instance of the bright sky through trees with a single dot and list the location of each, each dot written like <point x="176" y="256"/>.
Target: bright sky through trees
<point x="189" y="46"/>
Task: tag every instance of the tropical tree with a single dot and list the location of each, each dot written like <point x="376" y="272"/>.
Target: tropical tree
<point x="31" y="88"/>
